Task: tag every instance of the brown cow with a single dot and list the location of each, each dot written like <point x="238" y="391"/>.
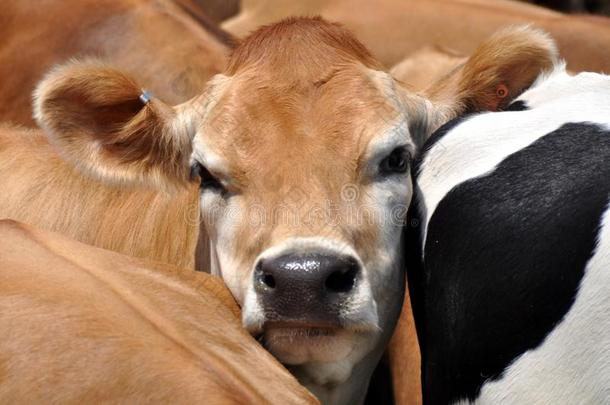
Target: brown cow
<point x="135" y="221"/>
<point x="394" y="29"/>
<point x="426" y="66"/>
<point x="302" y="153"/>
<point x="86" y="325"/>
<point x="174" y="49"/>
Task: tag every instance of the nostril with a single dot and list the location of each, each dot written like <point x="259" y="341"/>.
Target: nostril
<point x="342" y="281"/>
<point x="269" y="280"/>
<point x="264" y="275"/>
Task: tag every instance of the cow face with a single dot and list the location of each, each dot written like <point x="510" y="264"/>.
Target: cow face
<point x="302" y="151"/>
<point x="305" y="185"/>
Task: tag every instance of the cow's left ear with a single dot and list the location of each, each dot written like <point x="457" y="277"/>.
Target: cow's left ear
<point x="499" y="70"/>
<point x="101" y="120"/>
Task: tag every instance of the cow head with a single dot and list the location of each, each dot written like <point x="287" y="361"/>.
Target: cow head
<point x="302" y="150"/>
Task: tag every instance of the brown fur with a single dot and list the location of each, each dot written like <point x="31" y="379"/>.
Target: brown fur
<point x="321" y="110"/>
<point x="275" y="103"/>
<point x="405" y="358"/>
<point x="85" y="325"/>
<point x="306" y="141"/>
<point x="426" y="66"/>
<point x="156" y="41"/>
<point x="208" y="13"/>
<point x="219" y="10"/>
<point x="271" y="45"/>
<point x="40" y="188"/>
<point x="99" y="105"/>
<point x="513" y="57"/>
<point x="395" y="29"/>
<point x="292" y="121"/>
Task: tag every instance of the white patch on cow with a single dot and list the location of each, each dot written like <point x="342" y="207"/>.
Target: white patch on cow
<point x="252" y="316"/>
<point x="388" y="198"/>
<point x="343" y="381"/>
<point x="454" y="160"/>
<point x="388" y="202"/>
<point x="558" y="84"/>
<point x="572" y="365"/>
<point x="222" y="217"/>
<point x="349" y="346"/>
<point x="325" y="373"/>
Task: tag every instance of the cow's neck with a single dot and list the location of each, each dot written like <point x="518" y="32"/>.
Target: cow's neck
<point x="352" y="390"/>
<point x="335" y="385"/>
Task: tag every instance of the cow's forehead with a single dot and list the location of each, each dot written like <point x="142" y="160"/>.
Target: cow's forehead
<point x="261" y="126"/>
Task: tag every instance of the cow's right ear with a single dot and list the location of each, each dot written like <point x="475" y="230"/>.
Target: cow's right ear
<point x="100" y="120"/>
<point x="499" y="70"/>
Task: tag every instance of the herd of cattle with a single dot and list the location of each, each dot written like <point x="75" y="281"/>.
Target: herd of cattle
<point x="425" y="185"/>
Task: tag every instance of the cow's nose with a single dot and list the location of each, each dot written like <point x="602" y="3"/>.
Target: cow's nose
<point x="318" y="274"/>
<point x="309" y="287"/>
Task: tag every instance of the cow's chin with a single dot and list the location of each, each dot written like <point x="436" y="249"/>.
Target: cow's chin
<point x="299" y="345"/>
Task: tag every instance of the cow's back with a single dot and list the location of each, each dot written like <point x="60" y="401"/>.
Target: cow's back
<point x="513" y="293"/>
<point x="81" y="324"/>
<point x="167" y="49"/>
<point x="395" y="29"/>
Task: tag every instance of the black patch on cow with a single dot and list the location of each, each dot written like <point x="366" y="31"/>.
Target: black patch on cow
<point x="518" y="105"/>
<point x="412" y="240"/>
<point x="413" y="248"/>
<point x="504" y="257"/>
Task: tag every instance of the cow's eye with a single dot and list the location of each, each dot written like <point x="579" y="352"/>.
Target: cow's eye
<point x="396" y="162"/>
<point x="207" y="181"/>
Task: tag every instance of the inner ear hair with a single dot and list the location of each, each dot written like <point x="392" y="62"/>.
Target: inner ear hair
<point x="499" y="70"/>
<point x="149" y="142"/>
<point x="100" y="120"/>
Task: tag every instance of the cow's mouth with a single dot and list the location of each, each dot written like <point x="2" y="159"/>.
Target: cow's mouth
<point x="299" y="343"/>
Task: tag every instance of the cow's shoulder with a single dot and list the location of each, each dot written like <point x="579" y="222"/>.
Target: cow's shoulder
<point x="512" y="216"/>
<point x="475" y="145"/>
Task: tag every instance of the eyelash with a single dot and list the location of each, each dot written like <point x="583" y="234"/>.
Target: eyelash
<point x="207" y="181"/>
<point x="397" y="162"/>
<point x="388" y="166"/>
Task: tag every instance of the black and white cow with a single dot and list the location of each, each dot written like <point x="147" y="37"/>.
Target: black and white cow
<point x="510" y="242"/>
